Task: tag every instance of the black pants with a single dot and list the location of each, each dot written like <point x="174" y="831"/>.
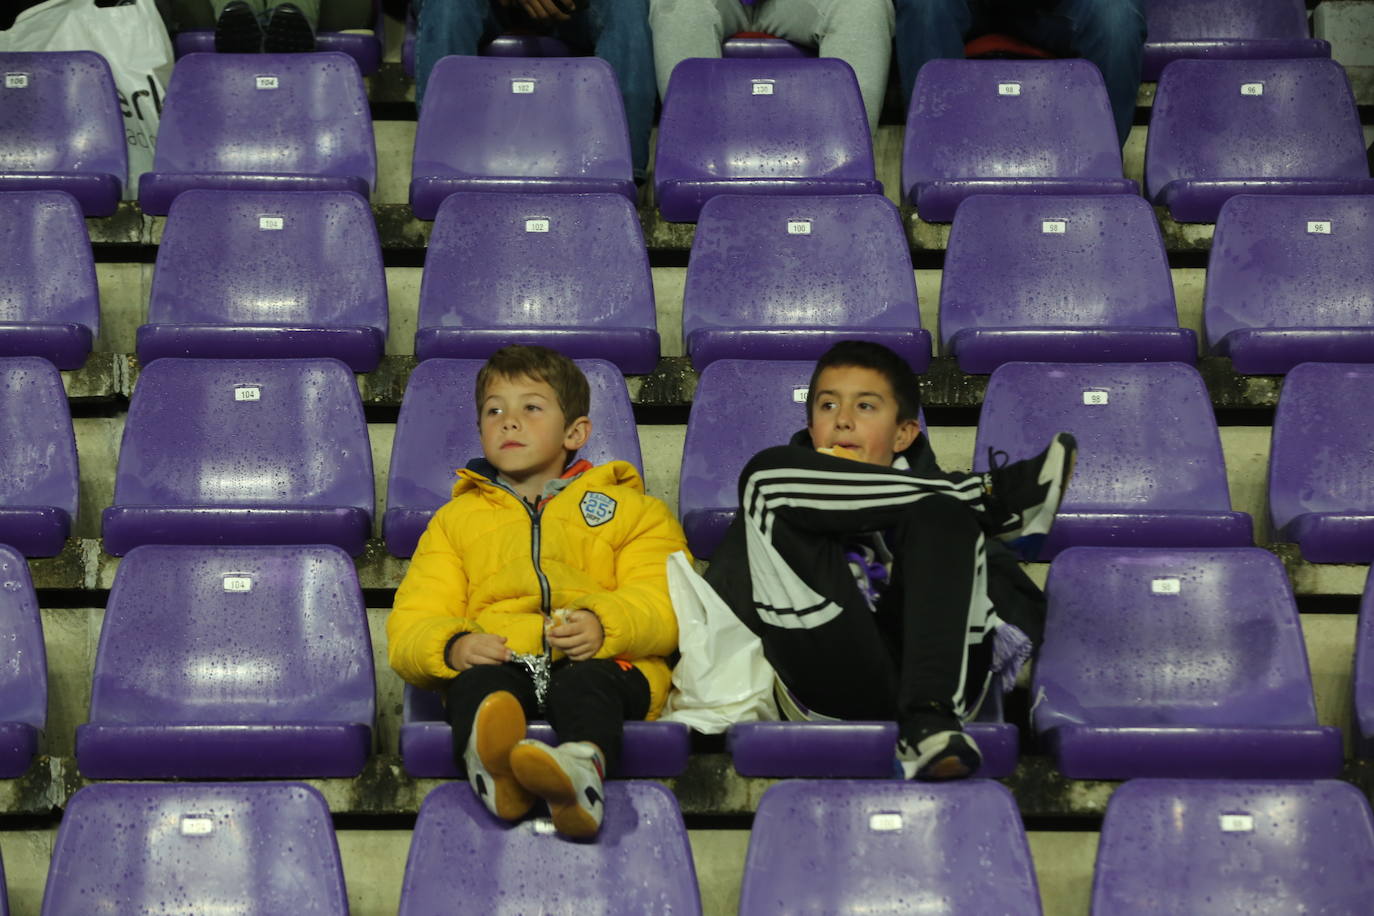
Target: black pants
<point x="587" y="701"/>
<point x="927" y="640"/>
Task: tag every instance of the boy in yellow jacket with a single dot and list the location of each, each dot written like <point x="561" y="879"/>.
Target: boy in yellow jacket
<point x="540" y="587"/>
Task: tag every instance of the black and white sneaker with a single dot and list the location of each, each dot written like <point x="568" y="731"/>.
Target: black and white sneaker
<point x="288" y="31"/>
<point x="496" y="729"/>
<point x="237" y="30"/>
<point x="570" y="777"/>
<point x="949" y="754"/>
<point x="1022" y="497"/>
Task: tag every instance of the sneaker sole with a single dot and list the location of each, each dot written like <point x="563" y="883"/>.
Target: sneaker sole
<point x="1063" y="456"/>
<point x="540" y="773"/>
<point x="237" y="32"/>
<point x="500" y="727"/>
<point x="951" y="767"/>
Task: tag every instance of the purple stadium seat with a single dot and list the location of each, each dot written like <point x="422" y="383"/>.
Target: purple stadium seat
<point x="212" y="847"/>
<point x="243" y="274"/>
<point x="1008" y="127"/>
<point x="1364" y="675"/>
<point x="759" y="44"/>
<point x="437" y="434"/>
<point x="262" y="122"/>
<point x="1182" y="663"/>
<point x="1150" y="471"/>
<point x="1216" y="848"/>
<point x="783" y="278"/>
<point x="568" y="271"/>
<point x="231" y="663"/>
<point x="1229" y="29"/>
<point x="60" y="128"/>
<point x="1321" y="463"/>
<point x="888" y="847"/>
<point x="49" y="303"/>
<point x="1069" y="279"/>
<point x="640" y="863"/>
<point x="1290" y="281"/>
<point x="718" y="446"/>
<point x="520" y="124"/>
<point x="1225" y="127"/>
<point x="364" y="48"/>
<point x="38" y="468"/>
<point x="23" y="670"/>
<point x="243" y="452"/>
<point x="857" y="750"/>
<point x="651" y="750"/>
<point x="760" y="126"/>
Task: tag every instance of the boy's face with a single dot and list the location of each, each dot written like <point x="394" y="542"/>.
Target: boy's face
<point x="524" y="433"/>
<point x="855" y="408"/>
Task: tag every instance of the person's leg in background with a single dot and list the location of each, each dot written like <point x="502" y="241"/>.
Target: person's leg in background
<point x="238" y="25"/>
<point x="446" y="27"/>
<point x="291" y="26"/>
<point x="931" y="30"/>
<point x="691" y="28"/>
<point x="858" y="32"/>
<point x="1108" y="33"/>
<point x="249" y="26"/>
<point x="618" y="31"/>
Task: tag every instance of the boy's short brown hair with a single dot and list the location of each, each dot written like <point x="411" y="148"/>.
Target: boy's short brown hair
<point x="543" y="365"/>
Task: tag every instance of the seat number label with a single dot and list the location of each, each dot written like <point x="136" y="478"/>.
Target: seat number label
<point x="1165" y="587"/>
<point x="1095" y="397"/>
<point x="763" y="87"/>
<point x="1252" y="89"/>
<point x="522" y="87"/>
<point x="247" y="393"/>
<point x="885" y="822"/>
<point x="1008" y="88"/>
<point x="1319" y="227"/>
<point x="271" y="222"/>
<point x="16" y="80"/>
<point x="799" y="227"/>
<point x="266" y="82"/>
<point x="1237" y="823"/>
<point x="536" y="225"/>
<point x="196" y="825"/>
<point x="235" y="582"/>
<point x="799" y="395"/>
<point x="1054" y="227"/>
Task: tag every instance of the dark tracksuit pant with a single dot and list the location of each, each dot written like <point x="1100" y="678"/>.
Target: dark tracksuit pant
<point x="928" y="637"/>
<point x="587" y="701"/>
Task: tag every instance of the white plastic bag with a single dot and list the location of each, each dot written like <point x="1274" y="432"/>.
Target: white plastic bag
<point x="134" y="42"/>
<point x="722" y="677"/>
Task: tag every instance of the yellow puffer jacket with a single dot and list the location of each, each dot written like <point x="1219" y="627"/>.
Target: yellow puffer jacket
<point x="601" y="544"/>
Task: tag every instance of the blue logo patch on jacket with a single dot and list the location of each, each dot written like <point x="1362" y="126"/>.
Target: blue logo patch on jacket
<point x="597" y="508"/>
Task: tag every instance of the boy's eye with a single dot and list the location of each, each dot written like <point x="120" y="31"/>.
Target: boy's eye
<point x="493" y="411"/>
<point x="533" y="407"/>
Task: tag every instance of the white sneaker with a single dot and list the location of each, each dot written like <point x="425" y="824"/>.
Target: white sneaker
<point x="496" y="729"/>
<point x="569" y="777"/>
<point x="939" y="756"/>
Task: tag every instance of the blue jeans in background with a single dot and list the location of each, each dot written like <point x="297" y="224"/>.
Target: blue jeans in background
<point x="617" y="30"/>
<point x="1109" y="33"/>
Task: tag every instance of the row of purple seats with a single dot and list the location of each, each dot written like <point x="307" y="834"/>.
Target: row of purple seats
<point x="1157" y="662"/>
<point x="732" y="124"/>
<point x="277" y="451"/>
<point x="1073" y="279"/>
<point x="271" y="848"/>
<point x="1226" y="29"/>
<point x="1167" y="845"/>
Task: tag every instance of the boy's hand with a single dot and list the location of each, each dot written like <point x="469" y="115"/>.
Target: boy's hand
<point x="580" y="637"/>
<point x="477" y="649"/>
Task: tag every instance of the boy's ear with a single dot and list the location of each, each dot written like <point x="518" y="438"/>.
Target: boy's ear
<point x="577" y="433"/>
<point x="907" y="431"/>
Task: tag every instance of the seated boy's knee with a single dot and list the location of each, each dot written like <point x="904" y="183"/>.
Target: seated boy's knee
<point x="945" y="512"/>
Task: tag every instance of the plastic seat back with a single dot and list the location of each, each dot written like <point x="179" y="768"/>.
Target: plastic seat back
<point x="49" y="302"/>
<point x="38" y="464"/>
<point x="783" y="278"/>
<point x="221" y="847"/>
<point x="23" y="669"/>
<point x="289" y="275"/>
<point x="569" y="271"/>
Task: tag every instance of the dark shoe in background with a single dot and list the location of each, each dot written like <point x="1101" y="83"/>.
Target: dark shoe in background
<point x="237" y="30"/>
<point x="288" y="31"/>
